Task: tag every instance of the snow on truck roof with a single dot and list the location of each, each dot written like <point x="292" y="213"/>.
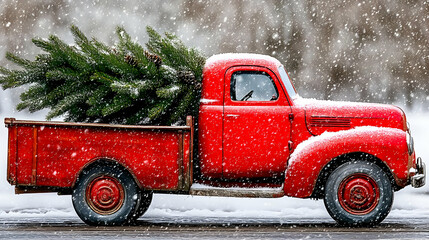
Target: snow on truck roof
<point x="242" y="58"/>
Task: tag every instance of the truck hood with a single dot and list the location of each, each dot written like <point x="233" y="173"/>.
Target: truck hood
<point x="322" y="116"/>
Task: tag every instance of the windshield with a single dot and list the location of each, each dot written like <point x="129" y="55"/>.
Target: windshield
<point x="287" y="83"/>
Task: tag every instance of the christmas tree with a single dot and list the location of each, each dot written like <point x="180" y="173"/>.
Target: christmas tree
<point x="125" y="84"/>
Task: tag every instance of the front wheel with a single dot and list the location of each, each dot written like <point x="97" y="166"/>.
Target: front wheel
<point x="358" y="193"/>
<point x="106" y="195"/>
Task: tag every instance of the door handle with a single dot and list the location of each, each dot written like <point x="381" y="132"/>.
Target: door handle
<point x="232" y="115"/>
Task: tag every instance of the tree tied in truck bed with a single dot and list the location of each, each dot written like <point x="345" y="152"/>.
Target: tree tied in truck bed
<point x="125" y="84"/>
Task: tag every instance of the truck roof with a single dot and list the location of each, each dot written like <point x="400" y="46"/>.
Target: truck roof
<point x="233" y="59"/>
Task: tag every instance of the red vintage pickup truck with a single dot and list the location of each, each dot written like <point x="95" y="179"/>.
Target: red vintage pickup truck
<point x="256" y="138"/>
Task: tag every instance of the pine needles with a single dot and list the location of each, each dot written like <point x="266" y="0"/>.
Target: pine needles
<point x="127" y="84"/>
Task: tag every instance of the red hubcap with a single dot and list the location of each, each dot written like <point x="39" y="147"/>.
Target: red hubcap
<point x="358" y="194"/>
<point x="105" y="195"/>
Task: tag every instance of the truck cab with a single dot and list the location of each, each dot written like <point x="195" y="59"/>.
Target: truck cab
<point x="244" y="125"/>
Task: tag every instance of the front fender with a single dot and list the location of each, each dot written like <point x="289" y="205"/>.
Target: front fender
<point x="312" y="155"/>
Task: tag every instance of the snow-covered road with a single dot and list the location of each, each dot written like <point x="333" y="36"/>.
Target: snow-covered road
<point x="211" y="228"/>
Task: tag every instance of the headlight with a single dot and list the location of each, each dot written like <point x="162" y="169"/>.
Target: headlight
<point x="410" y="144"/>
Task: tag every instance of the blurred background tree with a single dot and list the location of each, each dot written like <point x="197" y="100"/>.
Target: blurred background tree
<point x="373" y="51"/>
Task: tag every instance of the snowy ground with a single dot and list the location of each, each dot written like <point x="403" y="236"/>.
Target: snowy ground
<point x="409" y="203"/>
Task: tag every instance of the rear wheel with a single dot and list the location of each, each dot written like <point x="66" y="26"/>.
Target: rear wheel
<point x="143" y="205"/>
<point x="106" y="195"/>
<point x="358" y="193"/>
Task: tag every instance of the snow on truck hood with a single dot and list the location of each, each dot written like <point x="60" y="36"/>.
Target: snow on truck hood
<point x="322" y="116"/>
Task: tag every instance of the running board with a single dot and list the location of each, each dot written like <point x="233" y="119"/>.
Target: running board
<point x="205" y="190"/>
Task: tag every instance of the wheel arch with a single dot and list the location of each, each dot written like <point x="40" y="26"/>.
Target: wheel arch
<point x="318" y="191"/>
<point x="103" y="161"/>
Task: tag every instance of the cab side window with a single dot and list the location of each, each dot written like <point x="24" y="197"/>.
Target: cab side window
<point x="252" y="86"/>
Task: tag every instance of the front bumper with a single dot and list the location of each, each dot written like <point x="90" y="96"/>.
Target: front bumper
<point x="418" y="180"/>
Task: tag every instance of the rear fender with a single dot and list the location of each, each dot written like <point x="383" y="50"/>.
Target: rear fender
<point x="104" y="161"/>
<point x="311" y="156"/>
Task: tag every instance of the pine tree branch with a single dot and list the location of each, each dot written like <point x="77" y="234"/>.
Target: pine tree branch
<point x="90" y="81"/>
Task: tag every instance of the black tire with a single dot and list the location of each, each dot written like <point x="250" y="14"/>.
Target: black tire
<point x="144" y="204"/>
<point x="106" y="195"/>
<point x="358" y="193"/>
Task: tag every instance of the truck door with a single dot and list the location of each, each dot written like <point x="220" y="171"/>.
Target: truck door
<point x="256" y="126"/>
